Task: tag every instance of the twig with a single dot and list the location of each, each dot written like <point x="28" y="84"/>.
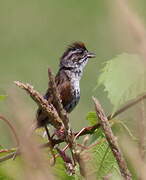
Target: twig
<point x="91" y="129"/>
<point x="57" y="101"/>
<point x="88" y="130"/>
<point x="140" y="119"/>
<point x="56" y="121"/>
<point x="127" y="106"/>
<point x="12" y="128"/>
<point x="67" y="160"/>
<point x="50" y="145"/>
<point x="112" y="141"/>
<point x="141" y="130"/>
<point x="17" y="152"/>
<point x="9" y="156"/>
<point x="48" y="108"/>
<point x="69" y="136"/>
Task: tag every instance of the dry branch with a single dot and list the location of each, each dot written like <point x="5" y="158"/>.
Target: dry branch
<point x="9" y="156"/>
<point x="141" y="129"/>
<point x="69" y="136"/>
<point x="57" y="115"/>
<point x="48" y="108"/>
<point x="91" y="129"/>
<point x="86" y="130"/>
<point x="57" y="101"/>
<point x="12" y="129"/>
<point x="112" y="141"/>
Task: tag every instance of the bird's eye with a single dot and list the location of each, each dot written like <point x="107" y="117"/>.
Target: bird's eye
<point x="81" y="52"/>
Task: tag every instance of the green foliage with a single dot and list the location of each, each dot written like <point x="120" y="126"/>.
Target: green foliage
<point x="92" y="118"/>
<point x="60" y="170"/>
<point x="3" y="176"/>
<point x="2" y="97"/>
<point x="28" y="45"/>
<point x="104" y="160"/>
<point x="123" y="78"/>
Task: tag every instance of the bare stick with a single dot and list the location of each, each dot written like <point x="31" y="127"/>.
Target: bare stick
<point x="48" y="108"/>
<point x="57" y="101"/>
<point x="87" y="130"/>
<point x="141" y="130"/>
<point x="17" y="152"/>
<point x="91" y="129"/>
<point x="112" y="141"/>
<point x="12" y="128"/>
<point x="69" y="137"/>
<point x="127" y="106"/>
<point x="9" y="156"/>
<point x="51" y="146"/>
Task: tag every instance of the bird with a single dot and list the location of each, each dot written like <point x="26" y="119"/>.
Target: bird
<point x="67" y="79"/>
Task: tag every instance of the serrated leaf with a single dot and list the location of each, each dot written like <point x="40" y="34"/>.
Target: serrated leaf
<point x="92" y="118"/>
<point x="99" y="159"/>
<point x="2" y="97"/>
<point x="123" y="78"/>
<point x="104" y="161"/>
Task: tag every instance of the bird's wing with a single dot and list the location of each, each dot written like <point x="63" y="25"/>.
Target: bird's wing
<point x="64" y="88"/>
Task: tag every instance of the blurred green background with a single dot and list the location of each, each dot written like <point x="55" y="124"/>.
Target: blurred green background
<point x="33" y="36"/>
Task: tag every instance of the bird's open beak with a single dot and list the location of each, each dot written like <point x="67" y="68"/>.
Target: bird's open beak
<point x="91" y="55"/>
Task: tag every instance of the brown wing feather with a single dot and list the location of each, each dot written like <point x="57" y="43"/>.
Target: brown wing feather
<point x="64" y="88"/>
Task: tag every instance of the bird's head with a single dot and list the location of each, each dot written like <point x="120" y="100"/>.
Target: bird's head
<point x="76" y="56"/>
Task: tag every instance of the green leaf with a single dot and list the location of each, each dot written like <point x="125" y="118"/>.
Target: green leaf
<point x="123" y="78"/>
<point x="97" y="135"/>
<point x="99" y="159"/>
<point x="104" y="161"/>
<point x="92" y="118"/>
<point x="2" y="97"/>
<point x="4" y="176"/>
